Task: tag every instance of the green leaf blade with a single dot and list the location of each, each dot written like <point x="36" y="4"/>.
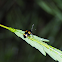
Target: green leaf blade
<point x="32" y="43"/>
<point x="43" y="47"/>
<point x="38" y="43"/>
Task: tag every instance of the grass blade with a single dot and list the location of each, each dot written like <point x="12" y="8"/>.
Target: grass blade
<point x="38" y="43"/>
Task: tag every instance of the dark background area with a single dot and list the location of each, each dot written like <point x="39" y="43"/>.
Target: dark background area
<point x="46" y="15"/>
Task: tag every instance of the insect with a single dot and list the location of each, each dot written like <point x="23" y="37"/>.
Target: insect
<point x="27" y="33"/>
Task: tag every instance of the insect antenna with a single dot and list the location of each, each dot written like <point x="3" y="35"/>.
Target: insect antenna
<point x="32" y="27"/>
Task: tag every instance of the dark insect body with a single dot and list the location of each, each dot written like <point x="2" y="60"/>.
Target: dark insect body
<point x="27" y="33"/>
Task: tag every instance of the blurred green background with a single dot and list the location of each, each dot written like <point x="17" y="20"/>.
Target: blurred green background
<point x="46" y="15"/>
